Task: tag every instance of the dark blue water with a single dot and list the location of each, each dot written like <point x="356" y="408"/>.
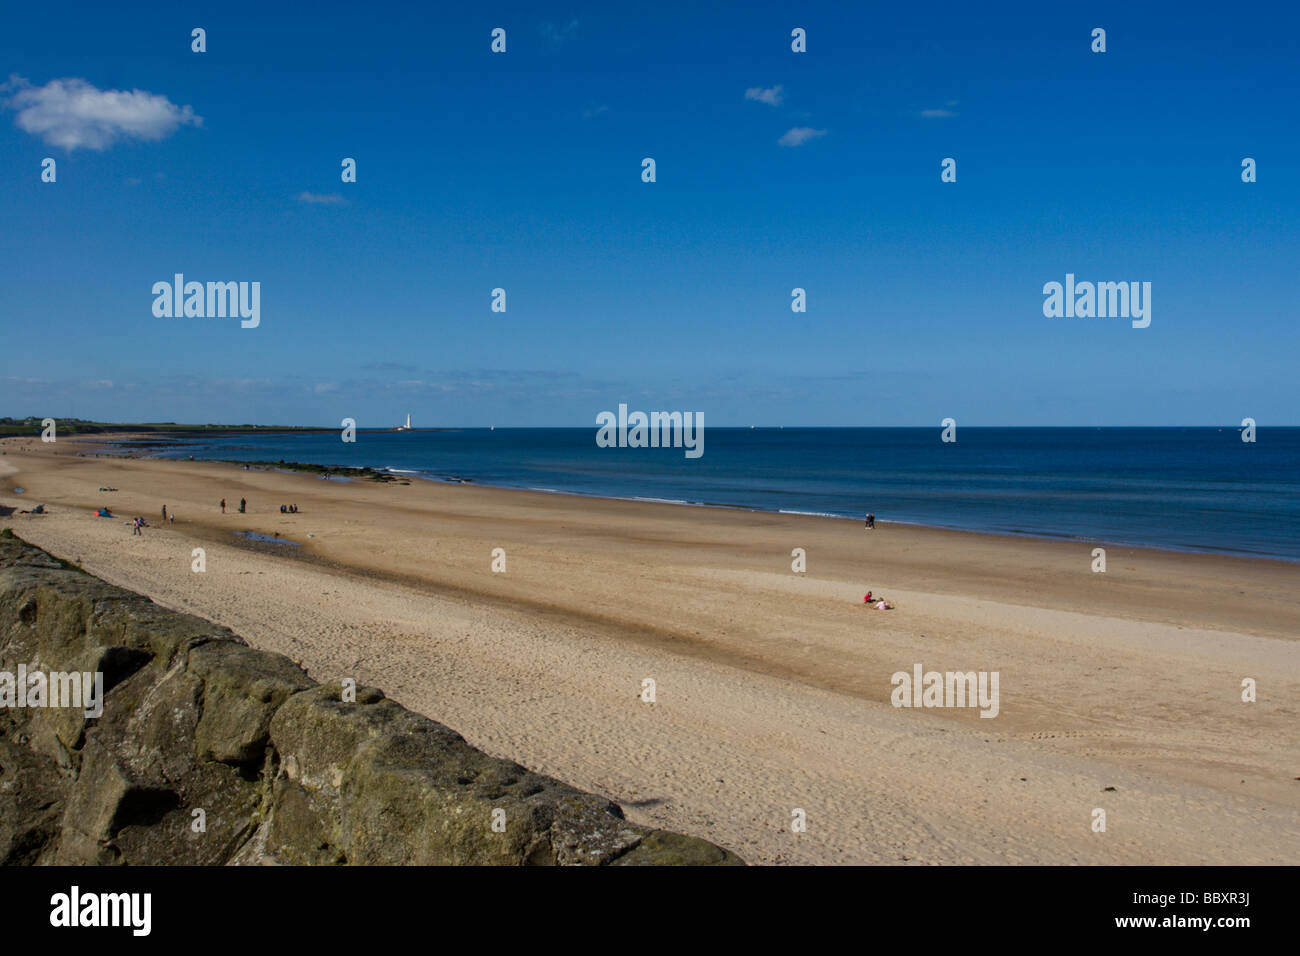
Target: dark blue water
<point x="1181" y="488"/>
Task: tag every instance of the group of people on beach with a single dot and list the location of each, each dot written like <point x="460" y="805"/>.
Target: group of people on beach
<point x="877" y="603"/>
<point x="870" y="600"/>
<point x="138" y="524"/>
<point x="288" y="509"/>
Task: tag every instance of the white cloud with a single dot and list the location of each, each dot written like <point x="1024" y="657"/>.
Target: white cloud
<point x="73" y="114"/>
<point x="800" y="135"/>
<point x="937" y="114"/>
<point x="320" y="199"/>
<point x="771" y="96"/>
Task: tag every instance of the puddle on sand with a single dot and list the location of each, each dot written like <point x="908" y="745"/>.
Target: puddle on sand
<point x="264" y="538"/>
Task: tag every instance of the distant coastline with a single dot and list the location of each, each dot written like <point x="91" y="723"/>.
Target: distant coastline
<point x="18" y="427"/>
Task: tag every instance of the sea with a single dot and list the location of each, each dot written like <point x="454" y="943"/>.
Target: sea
<point x="1193" y="489"/>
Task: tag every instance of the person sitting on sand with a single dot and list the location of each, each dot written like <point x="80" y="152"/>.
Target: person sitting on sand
<point x="867" y="599"/>
<point x="283" y="509"/>
<point x="293" y="508"/>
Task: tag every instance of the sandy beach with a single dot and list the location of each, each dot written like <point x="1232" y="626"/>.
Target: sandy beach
<point x="1119" y="691"/>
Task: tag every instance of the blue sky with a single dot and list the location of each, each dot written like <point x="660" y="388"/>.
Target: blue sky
<point x="523" y="171"/>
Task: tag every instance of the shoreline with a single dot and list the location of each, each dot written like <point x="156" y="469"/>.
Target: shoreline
<point x="366" y="472"/>
<point x="934" y="535"/>
<point x="774" y="687"/>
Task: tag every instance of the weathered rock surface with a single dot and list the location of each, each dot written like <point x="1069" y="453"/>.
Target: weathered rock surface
<point x="282" y="769"/>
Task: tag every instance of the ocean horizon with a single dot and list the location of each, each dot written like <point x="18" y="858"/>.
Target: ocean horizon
<point x="1175" y="488"/>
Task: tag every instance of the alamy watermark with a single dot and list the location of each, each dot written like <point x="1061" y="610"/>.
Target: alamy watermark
<point x="215" y="300"/>
<point x="950" y="689"/>
<point x="130" y="910"/>
<point x="1103" y="300"/>
<point x="655" y="430"/>
<point x="35" y="688"/>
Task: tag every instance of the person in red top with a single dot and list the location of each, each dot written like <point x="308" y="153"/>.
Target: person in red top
<point x="867" y="599"/>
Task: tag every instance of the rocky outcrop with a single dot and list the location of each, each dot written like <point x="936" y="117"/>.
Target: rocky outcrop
<point x="210" y="752"/>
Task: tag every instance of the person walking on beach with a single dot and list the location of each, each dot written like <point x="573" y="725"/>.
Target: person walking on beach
<point x="871" y="521"/>
<point x="223" y="505"/>
<point x="135" y="528"/>
<point x="242" y="505"/>
<point x="164" y="512"/>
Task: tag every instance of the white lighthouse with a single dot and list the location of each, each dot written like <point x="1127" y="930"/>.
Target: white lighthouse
<point x="407" y="426"/>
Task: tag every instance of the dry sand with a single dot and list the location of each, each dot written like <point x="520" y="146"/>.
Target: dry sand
<point x="772" y="688"/>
